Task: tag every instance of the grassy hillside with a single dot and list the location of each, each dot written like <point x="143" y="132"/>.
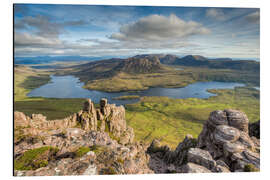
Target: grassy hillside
<point x="173" y="78"/>
<point x="26" y="79"/>
<point x="152" y="117"/>
<point x="171" y="119"/>
<point x="145" y="71"/>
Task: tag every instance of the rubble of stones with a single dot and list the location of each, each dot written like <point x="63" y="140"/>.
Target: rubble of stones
<point x="224" y="145"/>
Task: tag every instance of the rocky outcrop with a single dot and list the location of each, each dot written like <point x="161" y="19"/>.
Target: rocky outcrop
<point x="224" y="145"/>
<point x="225" y="137"/>
<point x="98" y="141"/>
<point x="109" y="118"/>
<point x="92" y="141"/>
<point x="104" y="156"/>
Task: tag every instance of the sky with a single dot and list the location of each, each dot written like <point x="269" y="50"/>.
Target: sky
<point x="123" y="31"/>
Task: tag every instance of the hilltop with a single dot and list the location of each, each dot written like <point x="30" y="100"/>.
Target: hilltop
<point x="140" y="65"/>
<point x="161" y="70"/>
<point x="98" y="141"/>
<point x="218" y="63"/>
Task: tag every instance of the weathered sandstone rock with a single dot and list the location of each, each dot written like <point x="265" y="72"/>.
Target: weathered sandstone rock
<point x="194" y="168"/>
<point x="201" y="157"/>
<point x="237" y="119"/>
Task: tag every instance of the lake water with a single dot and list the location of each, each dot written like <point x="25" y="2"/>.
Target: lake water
<point x="71" y="87"/>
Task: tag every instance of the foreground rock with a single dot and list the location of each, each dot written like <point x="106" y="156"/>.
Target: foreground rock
<point x="92" y="141"/>
<point x="109" y="118"/>
<point x="224" y="145"/>
<point x="98" y="141"/>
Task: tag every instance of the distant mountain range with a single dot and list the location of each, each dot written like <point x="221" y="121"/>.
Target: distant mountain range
<point x="145" y="63"/>
<point x="156" y="63"/>
<point x="200" y="61"/>
<point x="50" y="59"/>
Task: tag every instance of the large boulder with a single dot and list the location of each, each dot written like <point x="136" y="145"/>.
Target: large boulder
<point x="237" y="119"/>
<point x="21" y="120"/>
<point x="201" y="157"/>
<point x="225" y="136"/>
<point x="224" y="133"/>
<point x="194" y="168"/>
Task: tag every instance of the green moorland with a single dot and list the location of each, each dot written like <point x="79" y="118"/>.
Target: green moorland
<point x="152" y="117"/>
<point x="26" y="79"/>
<point x="171" y="119"/>
<point x="127" y="97"/>
<point x="171" y="78"/>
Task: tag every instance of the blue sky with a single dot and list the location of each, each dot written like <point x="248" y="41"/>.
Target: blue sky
<point x="88" y="30"/>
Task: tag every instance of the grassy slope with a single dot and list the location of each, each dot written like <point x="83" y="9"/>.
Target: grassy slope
<point x="129" y="82"/>
<point x="161" y="117"/>
<point x="171" y="119"/>
<point x="170" y="78"/>
<point x="25" y="80"/>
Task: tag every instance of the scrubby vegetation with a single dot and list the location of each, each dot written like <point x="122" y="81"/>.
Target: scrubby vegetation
<point x="97" y="149"/>
<point x="154" y="117"/>
<point x="53" y="108"/>
<point x="250" y="168"/>
<point x="35" y="158"/>
<point x="171" y="78"/>
<point x="127" y="97"/>
<point x="171" y="119"/>
<point x="82" y="151"/>
<point x="27" y="79"/>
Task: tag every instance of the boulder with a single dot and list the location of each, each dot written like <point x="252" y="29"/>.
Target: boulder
<point x="194" y="168"/>
<point x="74" y="133"/>
<point x="235" y="147"/>
<point x="224" y="133"/>
<point x="38" y="118"/>
<point x="20" y="119"/>
<point x="218" y="118"/>
<point x="237" y="119"/>
<point x="201" y="157"/>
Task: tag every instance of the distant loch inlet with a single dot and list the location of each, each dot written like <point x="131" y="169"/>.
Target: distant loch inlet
<point x="71" y="87"/>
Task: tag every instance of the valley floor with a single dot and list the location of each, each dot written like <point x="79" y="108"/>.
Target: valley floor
<point x="167" y="119"/>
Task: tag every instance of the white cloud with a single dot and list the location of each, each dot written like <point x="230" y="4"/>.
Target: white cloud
<point x="26" y="39"/>
<point x="159" y="28"/>
<point x="215" y="13"/>
<point x="43" y="26"/>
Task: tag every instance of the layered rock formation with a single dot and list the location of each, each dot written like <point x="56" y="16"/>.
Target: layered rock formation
<point x="224" y="145"/>
<point x="92" y="141"/>
<point x="109" y="118"/>
<point x="98" y="141"/>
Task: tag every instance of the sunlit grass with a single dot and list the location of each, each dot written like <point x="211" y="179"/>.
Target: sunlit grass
<point x="171" y="119"/>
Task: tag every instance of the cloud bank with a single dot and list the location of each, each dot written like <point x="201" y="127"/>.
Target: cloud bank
<point x="159" y="28"/>
<point x="126" y="31"/>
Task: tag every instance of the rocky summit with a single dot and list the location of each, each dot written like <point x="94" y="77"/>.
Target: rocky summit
<point x="98" y="141"/>
<point x="224" y="145"/>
